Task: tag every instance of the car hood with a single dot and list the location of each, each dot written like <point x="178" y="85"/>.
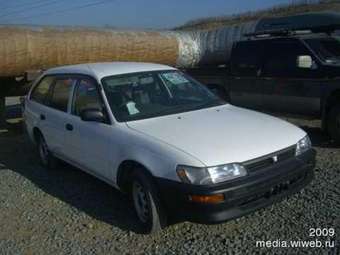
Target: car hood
<point x="222" y="134"/>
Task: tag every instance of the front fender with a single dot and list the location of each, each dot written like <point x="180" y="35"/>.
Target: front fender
<point x="160" y="158"/>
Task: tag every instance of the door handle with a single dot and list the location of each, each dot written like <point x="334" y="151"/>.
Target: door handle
<point x="69" y="127"/>
<point x="42" y="117"/>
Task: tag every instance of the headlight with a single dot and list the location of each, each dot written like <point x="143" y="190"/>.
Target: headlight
<point x="210" y="175"/>
<point x="303" y="145"/>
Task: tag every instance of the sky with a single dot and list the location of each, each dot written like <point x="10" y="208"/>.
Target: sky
<point x="130" y="14"/>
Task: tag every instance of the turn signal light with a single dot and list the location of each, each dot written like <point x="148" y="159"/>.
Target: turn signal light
<point x="211" y="199"/>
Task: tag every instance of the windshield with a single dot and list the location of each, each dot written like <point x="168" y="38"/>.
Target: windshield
<point x="149" y="94"/>
<point x="328" y="49"/>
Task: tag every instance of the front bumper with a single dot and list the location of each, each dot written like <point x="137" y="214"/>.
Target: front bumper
<point x="242" y="196"/>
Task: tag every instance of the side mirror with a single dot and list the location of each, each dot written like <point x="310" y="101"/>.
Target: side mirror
<point x="305" y="62"/>
<point x="93" y="114"/>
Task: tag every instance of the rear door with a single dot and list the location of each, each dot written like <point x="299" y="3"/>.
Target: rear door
<point x="246" y="63"/>
<point x="36" y="107"/>
<point x="288" y="88"/>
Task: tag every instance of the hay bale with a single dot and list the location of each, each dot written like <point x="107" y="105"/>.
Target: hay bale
<point x="23" y="48"/>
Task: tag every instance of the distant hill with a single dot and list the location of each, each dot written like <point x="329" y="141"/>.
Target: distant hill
<point x="296" y="7"/>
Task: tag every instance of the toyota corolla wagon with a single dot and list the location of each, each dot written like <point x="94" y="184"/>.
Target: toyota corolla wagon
<point x="155" y="133"/>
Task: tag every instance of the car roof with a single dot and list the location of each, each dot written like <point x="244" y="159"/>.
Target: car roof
<point x="100" y="70"/>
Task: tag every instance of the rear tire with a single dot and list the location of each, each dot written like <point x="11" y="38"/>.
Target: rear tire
<point x="47" y="159"/>
<point x="147" y="204"/>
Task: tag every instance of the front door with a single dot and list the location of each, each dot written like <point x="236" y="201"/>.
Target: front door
<point x="89" y="144"/>
<point x="286" y="87"/>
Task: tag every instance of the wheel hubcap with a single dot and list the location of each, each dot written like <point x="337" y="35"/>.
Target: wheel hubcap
<point x="140" y="201"/>
<point x="43" y="151"/>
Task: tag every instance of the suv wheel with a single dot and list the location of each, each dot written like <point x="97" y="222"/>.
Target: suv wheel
<point x="147" y="204"/>
<point x="47" y="160"/>
<point x="333" y="123"/>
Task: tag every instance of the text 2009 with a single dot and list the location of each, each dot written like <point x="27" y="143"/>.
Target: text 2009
<point x="317" y="232"/>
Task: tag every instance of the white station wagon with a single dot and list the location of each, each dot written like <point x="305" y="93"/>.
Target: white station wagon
<point x="176" y="147"/>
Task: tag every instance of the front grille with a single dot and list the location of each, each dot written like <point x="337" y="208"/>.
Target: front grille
<point x="274" y="190"/>
<point x="268" y="160"/>
<point x="287" y="154"/>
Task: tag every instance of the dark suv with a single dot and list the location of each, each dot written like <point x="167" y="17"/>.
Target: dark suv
<point x="296" y="74"/>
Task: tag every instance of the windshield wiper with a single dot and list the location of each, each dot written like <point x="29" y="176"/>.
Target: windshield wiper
<point x="172" y="110"/>
<point x="211" y="104"/>
<point x="176" y="109"/>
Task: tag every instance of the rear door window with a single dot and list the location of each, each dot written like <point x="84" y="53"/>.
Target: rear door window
<point x="247" y="58"/>
<point x="61" y="92"/>
<point x="40" y="92"/>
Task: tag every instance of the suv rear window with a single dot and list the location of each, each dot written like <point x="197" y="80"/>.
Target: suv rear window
<point x="61" y="93"/>
<point x="40" y="92"/>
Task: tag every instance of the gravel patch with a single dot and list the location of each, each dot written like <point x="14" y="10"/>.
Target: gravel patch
<point x="66" y="211"/>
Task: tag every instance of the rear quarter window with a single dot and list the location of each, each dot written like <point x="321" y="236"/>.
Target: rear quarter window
<point x="40" y="92"/>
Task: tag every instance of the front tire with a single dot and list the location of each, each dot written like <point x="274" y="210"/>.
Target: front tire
<point x="147" y="204"/>
<point x="47" y="160"/>
<point x="333" y="123"/>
